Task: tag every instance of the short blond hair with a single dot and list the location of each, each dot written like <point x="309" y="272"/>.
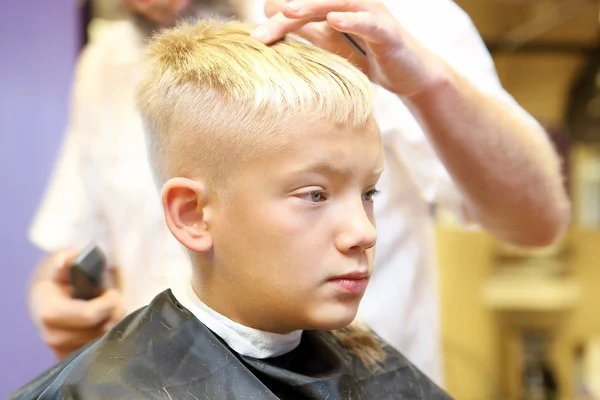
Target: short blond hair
<point x="212" y="96"/>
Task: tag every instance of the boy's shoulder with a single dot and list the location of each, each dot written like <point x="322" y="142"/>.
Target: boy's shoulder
<point x="155" y="352"/>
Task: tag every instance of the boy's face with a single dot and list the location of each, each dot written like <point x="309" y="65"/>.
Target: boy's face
<point x="293" y="246"/>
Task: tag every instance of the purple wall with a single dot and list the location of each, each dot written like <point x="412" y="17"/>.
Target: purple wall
<point x="38" y="46"/>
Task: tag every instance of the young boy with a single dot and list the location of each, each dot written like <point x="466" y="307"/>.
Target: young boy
<point x="268" y="159"/>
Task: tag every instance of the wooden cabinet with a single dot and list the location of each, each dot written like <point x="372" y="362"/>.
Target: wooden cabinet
<point x="483" y="314"/>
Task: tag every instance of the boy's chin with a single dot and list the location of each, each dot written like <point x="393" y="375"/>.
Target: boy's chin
<point x="334" y="318"/>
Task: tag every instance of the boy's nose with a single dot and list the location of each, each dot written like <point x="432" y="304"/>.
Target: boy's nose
<point x="356" y="233"/>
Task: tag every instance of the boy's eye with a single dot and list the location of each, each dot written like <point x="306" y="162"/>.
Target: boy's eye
<point x="316" y="196"/>
<point x="368" y="196"/>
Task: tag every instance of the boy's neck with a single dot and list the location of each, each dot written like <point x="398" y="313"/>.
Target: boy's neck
<point x="217" y="294"/>
<point x="242" y="339"/>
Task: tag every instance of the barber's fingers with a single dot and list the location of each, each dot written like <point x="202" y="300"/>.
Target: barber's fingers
<point x="363" y="25"/>
<point x="312" y="9"/>
<point x="324" y="36"/>
<point x="307" y="9"/>
<point x="276" y="27"/>
<point x="318" y="33"/>
<point x="69" y="324"/>
<point x="318" y="9"/>
<point x="56" y="266"/>
<point x="63" y="312"/>
<point x="65" y="341"/>
<point x="118" y="313"/>
<point x="369" y="27"/>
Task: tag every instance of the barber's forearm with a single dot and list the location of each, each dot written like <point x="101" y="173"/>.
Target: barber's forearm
<point x="508" y="172"/>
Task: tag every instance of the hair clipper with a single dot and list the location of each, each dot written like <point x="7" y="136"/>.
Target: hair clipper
<point x="86" y="273"/>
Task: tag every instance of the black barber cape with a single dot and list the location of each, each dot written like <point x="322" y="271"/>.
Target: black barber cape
<point x="162" y="351"/>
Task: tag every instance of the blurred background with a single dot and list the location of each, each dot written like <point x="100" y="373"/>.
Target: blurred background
<point x="515" y="321"/>
<point x="39" y="43"/>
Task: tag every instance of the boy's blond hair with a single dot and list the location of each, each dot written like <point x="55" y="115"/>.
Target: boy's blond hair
<point x="212" y="97"/>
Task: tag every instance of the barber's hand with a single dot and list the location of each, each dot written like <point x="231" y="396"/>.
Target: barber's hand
<point x="67" y="324"/>
<point x="394" y="59"/>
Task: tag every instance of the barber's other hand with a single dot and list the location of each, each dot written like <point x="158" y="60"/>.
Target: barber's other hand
<point x="67" y="324"/>
<point x="394" y="59"/>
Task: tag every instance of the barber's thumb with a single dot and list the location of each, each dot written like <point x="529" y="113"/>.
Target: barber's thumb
<point x="61" y="262"/>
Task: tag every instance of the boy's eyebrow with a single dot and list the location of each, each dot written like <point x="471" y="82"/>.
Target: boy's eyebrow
<point x="326" y="168"/>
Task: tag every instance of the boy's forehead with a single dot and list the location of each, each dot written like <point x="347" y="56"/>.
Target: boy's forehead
<point x="327" y="147"/>
<point x="305" y="127"/>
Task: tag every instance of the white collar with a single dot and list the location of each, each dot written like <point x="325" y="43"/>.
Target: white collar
<point x="244" y="340"/>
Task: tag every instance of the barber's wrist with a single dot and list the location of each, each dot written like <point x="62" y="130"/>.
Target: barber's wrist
<point x="440" y="83"/>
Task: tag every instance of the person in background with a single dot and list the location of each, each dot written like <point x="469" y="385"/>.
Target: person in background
<point x="451" y="135"/>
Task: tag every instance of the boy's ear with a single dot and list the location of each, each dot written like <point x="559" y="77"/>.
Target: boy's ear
<point x="185" y="204"/>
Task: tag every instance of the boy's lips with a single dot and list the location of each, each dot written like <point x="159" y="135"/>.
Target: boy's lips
<point x="354" y="282"/>
<point x="355" y="275"/>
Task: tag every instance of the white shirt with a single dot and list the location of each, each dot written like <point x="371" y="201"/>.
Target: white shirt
<point x="102" y="191"/>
